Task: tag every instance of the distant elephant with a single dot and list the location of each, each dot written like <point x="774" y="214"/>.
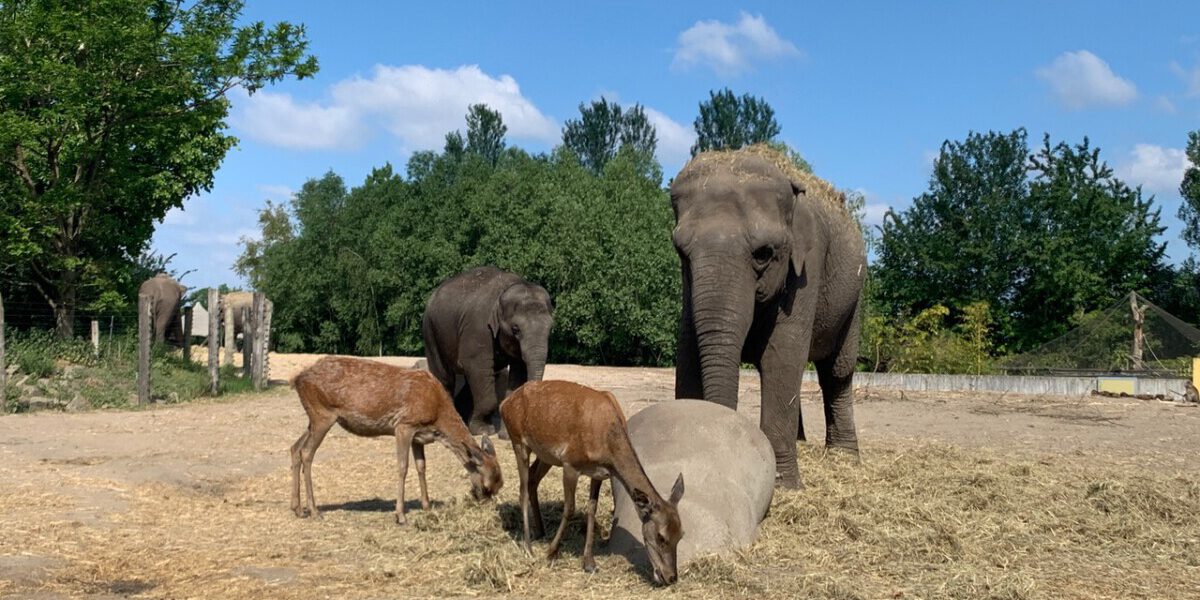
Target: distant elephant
<point x="165" y="294"/>
<point x="479" y="324"/>
<point x="772" y="267"/>
<point x="234" y="302"/>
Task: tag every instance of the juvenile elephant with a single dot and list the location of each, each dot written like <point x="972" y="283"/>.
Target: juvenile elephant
<point x="165" y="294"/>
<point x="772" y="269"/>
<point x="480" y="324"/>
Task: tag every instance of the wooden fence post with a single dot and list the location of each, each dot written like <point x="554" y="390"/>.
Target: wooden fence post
<point x="256" y="351"/>
<point x="95" y="337"/>
<point x="187" y="335"/>
<point x="247" y="341"/>
<point x="230" y="338"/>
<point x="145" y="321"/>
<point x="268" y="309"/>
<point x="213" y="339"/>
<point x="3" y="365"/>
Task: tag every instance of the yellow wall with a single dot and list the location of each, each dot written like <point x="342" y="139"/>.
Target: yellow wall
<point x="1117" y="385"/>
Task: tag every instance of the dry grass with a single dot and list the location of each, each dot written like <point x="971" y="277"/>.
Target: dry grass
<point x="707" y="163"/>
<point x="914" y="521"/>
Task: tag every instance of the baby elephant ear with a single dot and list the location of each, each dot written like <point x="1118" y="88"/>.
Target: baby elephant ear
<point x="487" y="446"/>
<point x="677" y="490"/>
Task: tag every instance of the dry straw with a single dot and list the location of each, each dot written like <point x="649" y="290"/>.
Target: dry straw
<point x="915" y="520"/>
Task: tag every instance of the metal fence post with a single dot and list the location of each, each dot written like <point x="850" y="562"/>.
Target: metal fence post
<point x="213" y="339"/>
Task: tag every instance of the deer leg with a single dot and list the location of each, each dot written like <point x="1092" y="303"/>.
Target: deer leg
<point x="296" y="472"/>
<point x="536" y="473"/>
<point x="523" y="474"/>
<point x="404" y="437"/>
<point x="316" y="434"/>
<point x="589" y="562"/>
<point x="418" y="450"/>
<point x="570" y="479"/>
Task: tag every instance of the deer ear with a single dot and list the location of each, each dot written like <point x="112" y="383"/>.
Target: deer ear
<point x="677" y="490"/>
<point x="487" y="446"/>
<point x="642" y="502"/>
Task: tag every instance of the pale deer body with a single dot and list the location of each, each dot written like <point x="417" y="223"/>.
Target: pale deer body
<point x="583" y="431"/>
<point x="369" y="399"/>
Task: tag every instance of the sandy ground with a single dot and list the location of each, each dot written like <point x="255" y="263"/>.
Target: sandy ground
<point x="77" y="488"/>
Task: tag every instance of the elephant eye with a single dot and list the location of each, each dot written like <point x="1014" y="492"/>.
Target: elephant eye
<point x="516" y="329"/>
<point x="763" y="255"/>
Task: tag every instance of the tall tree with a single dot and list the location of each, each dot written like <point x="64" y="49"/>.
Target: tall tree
<point x="1041" y="237"/>
<point x="113" y="113"/>
<point x="485" y="133"/>
<point x="727" y="122"/>
<point x="1189" y="211"/>
<point x="603" y="128"/>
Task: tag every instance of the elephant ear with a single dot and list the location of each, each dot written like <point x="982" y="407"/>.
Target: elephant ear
<point x="494" y="321"/>
<point x="804" y="231"/>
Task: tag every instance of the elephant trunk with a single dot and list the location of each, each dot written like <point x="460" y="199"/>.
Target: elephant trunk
<point x="722" y="310"/>
<point x="534" y="358"/>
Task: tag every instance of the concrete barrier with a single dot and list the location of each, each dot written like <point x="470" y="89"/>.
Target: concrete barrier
<point x="1172" y="389"/>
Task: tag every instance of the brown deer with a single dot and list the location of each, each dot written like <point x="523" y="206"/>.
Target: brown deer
<point x="583" y="431"/>
<point x="369" y="398"/>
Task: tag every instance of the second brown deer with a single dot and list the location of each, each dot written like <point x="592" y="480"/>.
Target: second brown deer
<point x="583" y="431"/>
<point x="369" y="398"/>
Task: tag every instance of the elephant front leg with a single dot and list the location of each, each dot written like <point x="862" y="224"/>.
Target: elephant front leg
<point x="781" y="373"/>
<point x="483" y="392"/>
<point x="688" y="381"/>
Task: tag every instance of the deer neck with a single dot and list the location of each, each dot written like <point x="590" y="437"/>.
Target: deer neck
<point x="457" y="438"/>
<point x="628" y="470"/>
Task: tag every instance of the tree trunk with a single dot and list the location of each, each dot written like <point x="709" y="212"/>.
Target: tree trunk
<point x="64" y="305"/>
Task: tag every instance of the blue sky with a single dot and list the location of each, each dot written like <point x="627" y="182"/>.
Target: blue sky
<point x="867" y="91"/>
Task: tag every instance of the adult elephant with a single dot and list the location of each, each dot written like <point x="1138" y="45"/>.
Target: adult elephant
<point x="165" y="295"/>
<point x="772" y="270"/>
<point x="493" y="328"/>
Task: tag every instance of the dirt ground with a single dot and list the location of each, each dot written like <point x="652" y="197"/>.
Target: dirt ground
<point x="192" y="501"/>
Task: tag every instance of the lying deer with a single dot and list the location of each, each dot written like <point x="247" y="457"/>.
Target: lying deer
<point x="369" y="398"/>
<point x="583" y="431"/>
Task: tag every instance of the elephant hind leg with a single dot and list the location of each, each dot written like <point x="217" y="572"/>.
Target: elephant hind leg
<point x="836" y="376"/>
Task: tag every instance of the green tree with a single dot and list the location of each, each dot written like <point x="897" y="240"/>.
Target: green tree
<point x="113" y="113"/>
<point x="1041" y="237"/>
<point x="485" y="133"/>
<point x="727" y="122"/>
<point x="603" y="128"/>
<point x="1189" y="211"/>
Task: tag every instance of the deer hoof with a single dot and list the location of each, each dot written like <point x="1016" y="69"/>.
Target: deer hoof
<point x="589" y="565"/>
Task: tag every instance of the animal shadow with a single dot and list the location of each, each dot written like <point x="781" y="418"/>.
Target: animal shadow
<point x="382" y="505"/>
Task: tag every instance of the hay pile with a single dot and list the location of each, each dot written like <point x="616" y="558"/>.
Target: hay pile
<point x="708" y="163"/>
<point x="915" y="521"/>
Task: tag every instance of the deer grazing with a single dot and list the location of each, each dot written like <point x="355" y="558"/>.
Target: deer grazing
<point x="369" y="398"/>
<point x="583" y="431"/>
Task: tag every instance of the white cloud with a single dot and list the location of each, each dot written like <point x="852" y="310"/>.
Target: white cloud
<point x="277" y="193"/>
<point x="279" y="120"/>
<point x="179" y="217"/>
<point x="1163" y="104"/>
<point x="415" y="104"/>
<point x="1190" y="77"/>
<point x="1081" y="79"/>
<point x="674" y="140"/>
<point x="729" y="49"/>
<point x="1155" y="168"/>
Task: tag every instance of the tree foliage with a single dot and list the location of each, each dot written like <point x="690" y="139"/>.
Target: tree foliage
<point x="1041" y="236"/>
<point x="350" y="269"/>
<point x="113" y="113"/>
<point x="603" y="128"/>
<point x="485" y="133"/>
<point x="728" y="122"/>
<point x="1189" y="211"/>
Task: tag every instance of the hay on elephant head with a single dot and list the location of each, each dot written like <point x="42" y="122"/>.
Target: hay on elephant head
<point x="713" y="161"/>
